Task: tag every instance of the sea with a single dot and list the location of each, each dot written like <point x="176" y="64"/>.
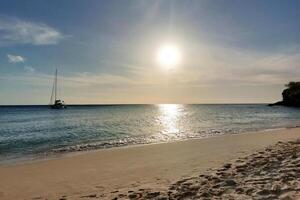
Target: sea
<point x="36" y="132"/>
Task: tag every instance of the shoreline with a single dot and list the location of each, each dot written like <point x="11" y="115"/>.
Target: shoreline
<point x="130" y="168"/>
<point x="41" y="157"/>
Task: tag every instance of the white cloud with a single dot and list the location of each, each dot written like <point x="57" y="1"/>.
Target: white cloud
<point x="16" y="31"/>
<point x="15" y="58"/>
<point x="29" y="69"/>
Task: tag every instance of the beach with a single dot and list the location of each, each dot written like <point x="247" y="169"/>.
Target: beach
<point x="149" y="100"/>
<point x="122" y="173"/>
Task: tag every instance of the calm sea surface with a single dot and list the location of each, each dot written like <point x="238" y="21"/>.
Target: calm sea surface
<point x="28" y="132"/>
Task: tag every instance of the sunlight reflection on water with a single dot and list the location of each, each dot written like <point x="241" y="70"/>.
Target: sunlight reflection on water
<point x="169" y="117"/>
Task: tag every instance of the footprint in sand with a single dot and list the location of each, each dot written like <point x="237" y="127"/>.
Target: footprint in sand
<point x="89" y="196"/>
<point x="100" y="187"/>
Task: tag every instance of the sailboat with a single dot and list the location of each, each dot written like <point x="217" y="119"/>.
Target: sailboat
<point x="56" y="103"/>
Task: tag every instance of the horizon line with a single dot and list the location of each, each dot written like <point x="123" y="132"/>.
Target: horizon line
<point x="112" y="104"/>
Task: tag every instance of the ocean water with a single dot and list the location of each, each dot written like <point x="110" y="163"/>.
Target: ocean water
<point x="30" y="132"/>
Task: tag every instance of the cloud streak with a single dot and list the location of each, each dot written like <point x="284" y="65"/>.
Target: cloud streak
<point x="17" y="31"/>
<point x="15" y="58"/>
<point x="29" y="69"/>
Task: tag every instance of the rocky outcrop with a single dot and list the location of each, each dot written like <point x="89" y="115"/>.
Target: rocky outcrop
<point x="290" y="96"/>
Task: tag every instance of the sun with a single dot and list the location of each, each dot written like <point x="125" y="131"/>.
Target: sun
<point x="168" y="56"/>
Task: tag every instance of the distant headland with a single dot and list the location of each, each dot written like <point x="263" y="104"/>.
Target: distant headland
<point x="290" y="95"/>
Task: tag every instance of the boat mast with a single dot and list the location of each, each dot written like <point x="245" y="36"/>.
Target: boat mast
<point x="52" y="93"/>
<point x="55" y="84"/>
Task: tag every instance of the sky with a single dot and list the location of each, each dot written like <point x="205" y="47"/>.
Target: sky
<point x="231" y="51"/>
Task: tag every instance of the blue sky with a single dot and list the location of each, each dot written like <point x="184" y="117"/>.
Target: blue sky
<point x="232" y="51"/>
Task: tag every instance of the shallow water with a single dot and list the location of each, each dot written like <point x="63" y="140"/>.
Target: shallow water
<point x="29" y="131"/>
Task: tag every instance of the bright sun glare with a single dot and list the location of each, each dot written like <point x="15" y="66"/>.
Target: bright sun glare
<point x="168" y="56"/>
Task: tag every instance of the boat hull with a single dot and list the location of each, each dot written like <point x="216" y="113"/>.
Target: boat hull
<point x="58" y="106"/>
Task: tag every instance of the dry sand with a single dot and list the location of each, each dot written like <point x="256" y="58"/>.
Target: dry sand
<point x="150" y="169"/>
<point x="272" y="173"/>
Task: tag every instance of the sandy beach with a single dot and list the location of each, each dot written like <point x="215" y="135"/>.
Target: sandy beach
<point x="149" y="100"/>
<point x="163" y="171"/>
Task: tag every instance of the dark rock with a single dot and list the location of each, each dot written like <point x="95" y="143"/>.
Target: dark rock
<point x="290" y="96"/>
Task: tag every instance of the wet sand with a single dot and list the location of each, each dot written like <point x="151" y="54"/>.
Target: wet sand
<point x="164" y="170"/>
